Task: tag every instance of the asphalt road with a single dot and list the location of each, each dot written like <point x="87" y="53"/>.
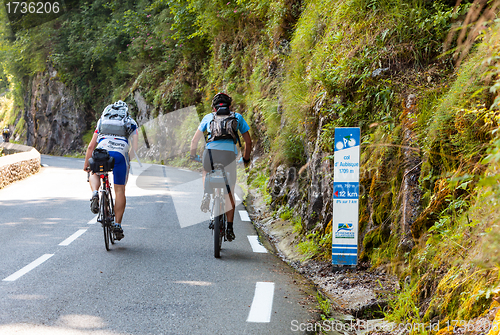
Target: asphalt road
<point x="57" y="278"/>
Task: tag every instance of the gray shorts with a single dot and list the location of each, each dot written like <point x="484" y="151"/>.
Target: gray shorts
<point x="224" y="157"/>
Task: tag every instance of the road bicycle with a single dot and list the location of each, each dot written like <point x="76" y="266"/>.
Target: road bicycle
<point x="106" y="215"/>
<point x="217" y="182"/>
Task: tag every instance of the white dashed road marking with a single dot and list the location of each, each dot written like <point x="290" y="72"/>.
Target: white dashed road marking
<point x="237" y="197"/>
<point x="28" y="267"/>
<point x="256" y="246"/>
<point x="244" y="216"/>
<point x="93" y="221"/>
<point x="262" y="303"/>
<point x="73" y="237"/>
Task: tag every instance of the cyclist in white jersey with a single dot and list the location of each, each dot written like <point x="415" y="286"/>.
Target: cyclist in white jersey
<point x="112" y="133"/>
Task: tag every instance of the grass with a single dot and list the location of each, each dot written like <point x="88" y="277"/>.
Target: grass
<point x="74" y="155"/>
<point x="258" y="179"/>
<point x="7" y="112"/>
<point x="324" y="305"/>
<point x="87" y="137"/>
<point x="286" y="214"/>
<point x="404" y="308"/>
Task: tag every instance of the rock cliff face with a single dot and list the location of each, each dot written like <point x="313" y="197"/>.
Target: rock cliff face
<point x="143" y="113"/>
<point x="309" y="190"/>
<point x="55" y="120"/>
<point x="411" y="192"/>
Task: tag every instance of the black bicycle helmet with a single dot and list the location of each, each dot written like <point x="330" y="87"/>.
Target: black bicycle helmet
<point x="221" y="100"/>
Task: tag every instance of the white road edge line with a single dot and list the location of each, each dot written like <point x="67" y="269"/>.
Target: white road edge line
<point x="73" y="237"/>
<point x="28" y="267"/>
<point x="93" y="221"/>
<point x="256" y="246"/>
<point x="262" y="303"/>
<point x="244" y="216"/>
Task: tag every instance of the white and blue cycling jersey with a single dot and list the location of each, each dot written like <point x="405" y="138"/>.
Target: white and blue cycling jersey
<point x="118" y="147"/>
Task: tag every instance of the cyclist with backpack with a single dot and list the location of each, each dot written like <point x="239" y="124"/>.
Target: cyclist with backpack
<point x="6" y="134"/>
<point x="222" y="126"/>
<point x="112" y="133"/>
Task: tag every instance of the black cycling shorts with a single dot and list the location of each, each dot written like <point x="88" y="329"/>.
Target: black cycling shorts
<point x="224" y="157"/>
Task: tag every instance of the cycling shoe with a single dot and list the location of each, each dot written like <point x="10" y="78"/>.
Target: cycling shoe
<point x="94" y="204"/>
<point x="205" y="203"/>
<point x="118" y="231"/>
<point x="230" y="234"/>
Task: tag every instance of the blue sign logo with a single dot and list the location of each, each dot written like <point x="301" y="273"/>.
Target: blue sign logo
<point x="346" y="138"/>
<point x="344" y="227"/>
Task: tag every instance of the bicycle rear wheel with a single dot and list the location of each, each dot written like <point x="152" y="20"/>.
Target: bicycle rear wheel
<point x="110" y="218"/>
<point x="105" y="222"/>
<point x="217" y="236"/>
<point x="218" y="226"/>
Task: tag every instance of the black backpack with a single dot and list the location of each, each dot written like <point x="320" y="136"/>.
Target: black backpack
<point x="101" y="161"/>
<point x="224" y="126"/>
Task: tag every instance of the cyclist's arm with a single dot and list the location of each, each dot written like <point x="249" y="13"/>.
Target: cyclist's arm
<point x="90" y="150"/>
<point x="194" y="142"/>
<point x="248" y="145"/>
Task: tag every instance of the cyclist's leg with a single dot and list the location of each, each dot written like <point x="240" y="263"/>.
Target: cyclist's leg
<point x="95" y="182"/>
<point x="230" y="216"/>
<point x="229" y="208"/>
<point x="207" y="167"/>
<point x="228" y="158"/>
<point x="205" y="202"/>
<point x="120" y="175"/>
<point x="232" y="182"/>
<point x="120" y="202"/>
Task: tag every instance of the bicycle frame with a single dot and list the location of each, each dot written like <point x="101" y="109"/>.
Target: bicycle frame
<point x="105" y="192"/>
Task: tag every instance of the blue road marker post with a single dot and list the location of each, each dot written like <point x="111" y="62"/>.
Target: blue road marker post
<point x="346" y="197"/>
